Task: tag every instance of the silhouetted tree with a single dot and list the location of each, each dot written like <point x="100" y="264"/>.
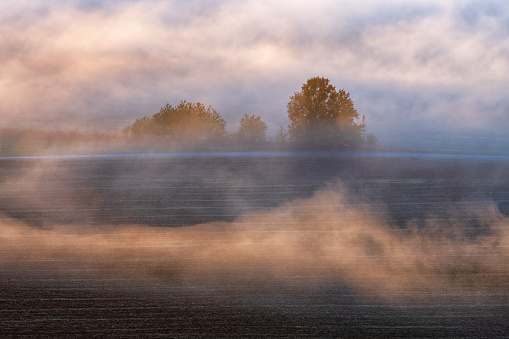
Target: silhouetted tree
<point x="252" y="129"/>
<point x="186" y="121"/>
<point x="141" y="127"/>
<point x="281" y="136"/>
<point x="323" y="117"/>
<point x="371" y="141"/>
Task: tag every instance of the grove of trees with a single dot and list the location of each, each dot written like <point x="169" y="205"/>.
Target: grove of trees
<point x="186" y="122"/>
<point x="321" y="117"/>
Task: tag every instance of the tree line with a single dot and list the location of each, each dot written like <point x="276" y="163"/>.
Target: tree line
<point x="321" y="117"/>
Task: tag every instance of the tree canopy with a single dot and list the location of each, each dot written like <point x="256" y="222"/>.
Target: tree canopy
<point x="322" y="116"/>
<point x="186" y="121"/>
<point x="252" y="129"/>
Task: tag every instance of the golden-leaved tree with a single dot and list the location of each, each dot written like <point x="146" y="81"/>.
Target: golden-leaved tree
<point x="323" y="117"/>
<point x="185" y="122"/>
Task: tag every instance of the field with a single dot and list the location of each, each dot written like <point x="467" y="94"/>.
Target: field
<point x="254" y="244"/>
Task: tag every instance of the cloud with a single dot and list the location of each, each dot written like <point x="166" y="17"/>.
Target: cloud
<point x="107" y="62"/>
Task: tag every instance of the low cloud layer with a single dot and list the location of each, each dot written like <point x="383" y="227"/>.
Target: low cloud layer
<point x="415" y="66"/>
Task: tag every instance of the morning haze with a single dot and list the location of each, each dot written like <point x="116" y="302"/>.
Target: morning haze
<point x="419" y="68"/>
<point x="254" y="169"/>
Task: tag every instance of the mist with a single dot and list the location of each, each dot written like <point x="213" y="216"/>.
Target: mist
<point x="329" y="236"/>
<point x="413" y="68"/>
<point x="103" y="233"/>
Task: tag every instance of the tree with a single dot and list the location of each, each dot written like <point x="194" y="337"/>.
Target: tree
<point x="323" y="117"/>
<point x="252" y="129"/>
<point x="282" y="136"/>
<point x="371" y="141"/>
<point x="185" y="122"/>
<point x="141" y="127"/>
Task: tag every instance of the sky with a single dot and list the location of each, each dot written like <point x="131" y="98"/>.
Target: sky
<point x="419" y="70"/>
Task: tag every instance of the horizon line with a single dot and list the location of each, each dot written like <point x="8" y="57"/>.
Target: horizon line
<point x="261" y="154"/>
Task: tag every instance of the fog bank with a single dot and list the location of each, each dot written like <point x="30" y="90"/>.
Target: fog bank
<point x="306" y="243"/>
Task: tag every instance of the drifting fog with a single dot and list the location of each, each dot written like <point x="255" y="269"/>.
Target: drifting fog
<point x="411" y="66"/>
<point x="308" y="243"/>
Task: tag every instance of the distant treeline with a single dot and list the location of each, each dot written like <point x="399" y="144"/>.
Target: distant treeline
<point x="32" y="141"/>
<point x="35" y="135"/>
<point x="321" y="118"/>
